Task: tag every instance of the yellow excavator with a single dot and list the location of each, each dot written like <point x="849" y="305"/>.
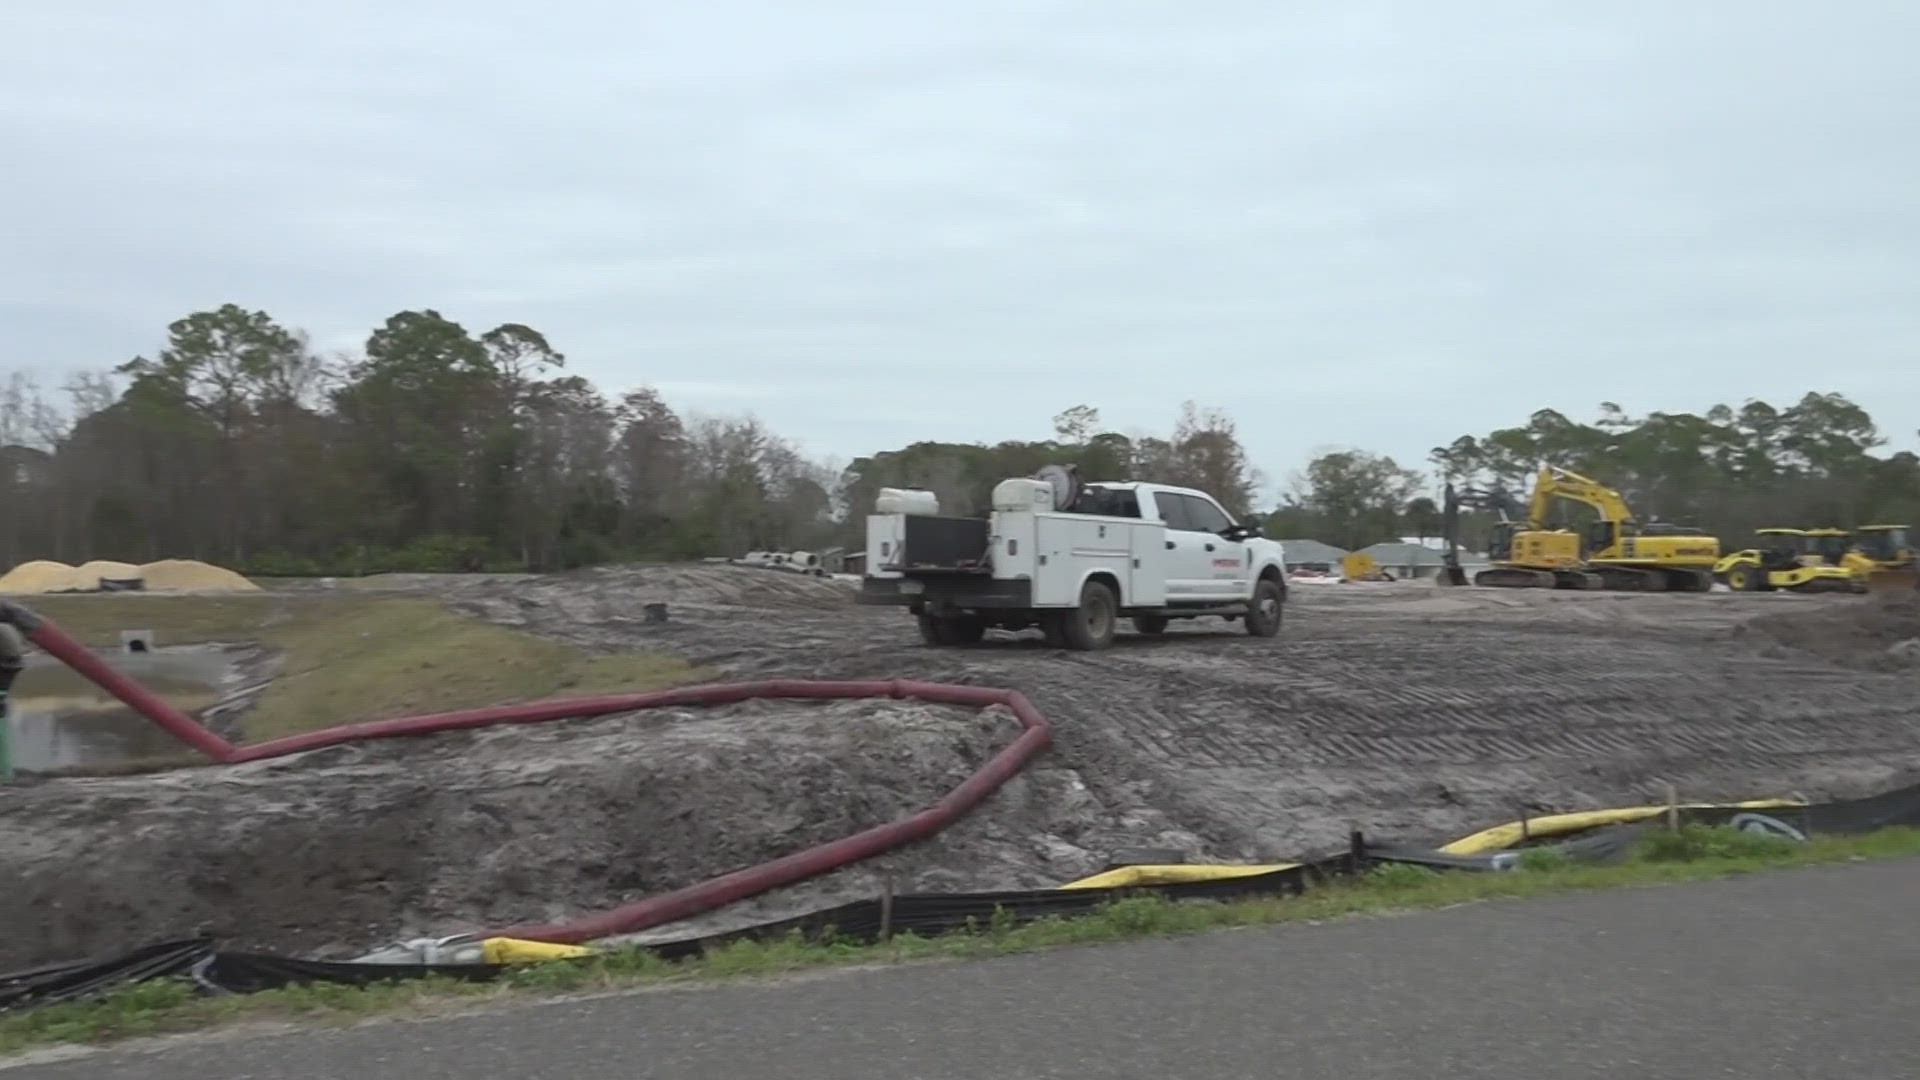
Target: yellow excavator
<point x="1885" y="557"/>
<point x="1520" y="555"/>
<point x="1628" y="555"/>
<point x="1614" y="551"/>
<point x="1794" y="560"/>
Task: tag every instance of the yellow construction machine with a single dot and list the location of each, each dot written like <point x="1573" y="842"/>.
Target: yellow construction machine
<point x="1614" y="551"/>
<point x="1358" y="566"/>
<point x="1794" y="560"/>
<point x="1628" y="555"/>
<point x="1883" y="555"/>
<point x="1519" y="555"/>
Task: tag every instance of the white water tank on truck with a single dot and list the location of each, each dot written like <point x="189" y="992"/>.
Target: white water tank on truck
<point x="906" y="501"/>
<point x="1023" y="494"/>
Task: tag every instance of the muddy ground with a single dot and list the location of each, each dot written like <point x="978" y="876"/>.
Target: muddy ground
<point x="1415" y="712"/>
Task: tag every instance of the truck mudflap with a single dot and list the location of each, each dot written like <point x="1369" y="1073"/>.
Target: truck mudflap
<point x="948" y="591"/>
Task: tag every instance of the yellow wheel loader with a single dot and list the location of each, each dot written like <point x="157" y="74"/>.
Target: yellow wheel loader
<point x="1795" y="560"/>
<point x="1884" y="556"/>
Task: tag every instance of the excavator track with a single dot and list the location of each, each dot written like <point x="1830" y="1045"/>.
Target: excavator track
<point x="1520" y="577"/>
<point x="1514" y="577"/>
<point x="1630" y="579"/>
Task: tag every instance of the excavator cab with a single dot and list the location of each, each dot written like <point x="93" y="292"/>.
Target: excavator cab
<point x="1500" y="541"/>
<point x="1601" y="535"/>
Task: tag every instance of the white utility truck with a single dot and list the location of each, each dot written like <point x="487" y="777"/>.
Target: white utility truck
<point x="1071" y="559"/>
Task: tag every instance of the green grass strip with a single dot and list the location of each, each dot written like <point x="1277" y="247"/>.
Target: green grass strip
<point x="1695" y="853"/>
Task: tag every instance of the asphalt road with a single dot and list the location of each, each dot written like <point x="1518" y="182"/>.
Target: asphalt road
<point x="1803" y="974"/>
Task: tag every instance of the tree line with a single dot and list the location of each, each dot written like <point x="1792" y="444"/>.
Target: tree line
<point x="434" y="448"/>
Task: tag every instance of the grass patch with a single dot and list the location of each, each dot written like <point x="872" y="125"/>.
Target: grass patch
<point x="364" y="657"/>
<point x="1693" y="854"/>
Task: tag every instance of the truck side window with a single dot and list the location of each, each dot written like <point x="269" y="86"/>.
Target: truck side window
<point x="1173" y="511"/>
<point x="1205" y="516"/>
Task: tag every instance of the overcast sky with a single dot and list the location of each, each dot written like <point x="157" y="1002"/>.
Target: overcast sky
<point x="1366" y="224"/>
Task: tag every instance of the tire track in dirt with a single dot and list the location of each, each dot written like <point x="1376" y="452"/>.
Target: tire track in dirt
<point x="1418" y="710"/>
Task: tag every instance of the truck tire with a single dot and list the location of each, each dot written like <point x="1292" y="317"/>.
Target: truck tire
<point x="1263" y="615"/>
<point x="1090" y="626"/>
<point x="1150" y="624"/>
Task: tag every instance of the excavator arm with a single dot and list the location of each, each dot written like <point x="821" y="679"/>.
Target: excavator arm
<point x="1555" y="482"/>
<point x="1456" y="499"/>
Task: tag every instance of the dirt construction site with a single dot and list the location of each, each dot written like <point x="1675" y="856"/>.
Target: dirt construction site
<point x="1414" y="712"/>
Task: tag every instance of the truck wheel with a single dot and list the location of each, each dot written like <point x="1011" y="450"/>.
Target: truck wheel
<point x="1150" y="624"/>
<point x="1090" y="626"/>
<point x="1263" y="616"/>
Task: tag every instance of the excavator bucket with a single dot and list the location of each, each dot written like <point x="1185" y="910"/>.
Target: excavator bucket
<point x="1451" y="574"/>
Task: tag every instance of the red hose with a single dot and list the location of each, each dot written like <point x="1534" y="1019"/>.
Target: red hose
<point x="654" y="911"/>
<point x="138" y="698"/>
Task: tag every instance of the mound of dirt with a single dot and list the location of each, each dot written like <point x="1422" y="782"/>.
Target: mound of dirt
<point x="41" y="576"/>
<point x="94" y="575"/>
<point x="340" y="850"/>
<point x="619" y="595"/>
<point x="192" y="575"/>
<point x="1877" y="633"/>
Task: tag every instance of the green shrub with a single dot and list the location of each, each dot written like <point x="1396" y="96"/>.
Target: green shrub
<point x="1399" y="877"/>
<point x="1541" y="859"/>
<point x="1692" y="843"/>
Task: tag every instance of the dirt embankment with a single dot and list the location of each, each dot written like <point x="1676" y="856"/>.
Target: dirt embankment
<point x="1876" y="633"/>
<point x="334" y="851"/>
<point x="1415" y="711"/>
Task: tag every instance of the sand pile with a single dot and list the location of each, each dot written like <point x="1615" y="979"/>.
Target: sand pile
<point x="192" y="575"/>
<point x="94" y="575"/>
<point x="41" y="576"/>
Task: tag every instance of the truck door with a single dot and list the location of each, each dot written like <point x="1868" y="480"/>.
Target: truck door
<point x="1183" y="546"/>
<point x="1225" y="561"/>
